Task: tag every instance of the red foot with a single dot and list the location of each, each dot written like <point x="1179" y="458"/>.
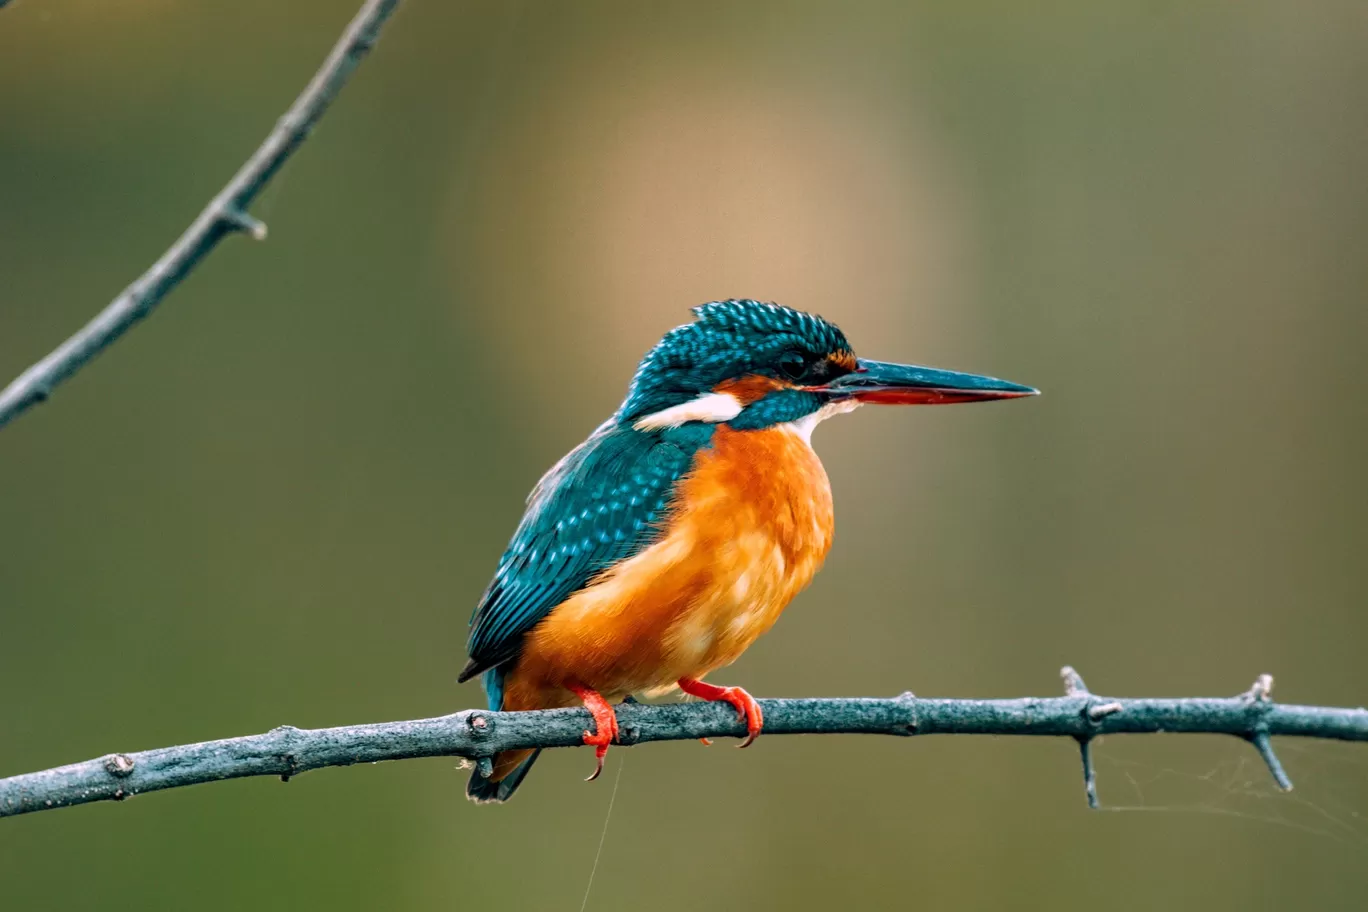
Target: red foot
<point x="746" y="706"/>
<point x="605" y="724"/>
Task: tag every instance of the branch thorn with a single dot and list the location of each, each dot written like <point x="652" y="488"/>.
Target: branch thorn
<point x="1264" y="745"/>
<point x="1073" y="682"/>
<point x="1094" y="713"/>
<point x="242" y="220"/>
<point x="1261" y="695"/>
<point x="1261" y="691"/>
<point x="1089" y="772"/>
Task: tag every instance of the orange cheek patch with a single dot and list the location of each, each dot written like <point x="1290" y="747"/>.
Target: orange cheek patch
<point x="845" y="360"/>
<point x="751" y="388"/>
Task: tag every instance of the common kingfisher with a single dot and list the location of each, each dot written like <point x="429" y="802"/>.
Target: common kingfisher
<point x="662" y="546"/>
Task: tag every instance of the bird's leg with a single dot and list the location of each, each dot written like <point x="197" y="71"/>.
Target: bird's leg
<point x="746" y="706"/>
<point x="605" y="724"/>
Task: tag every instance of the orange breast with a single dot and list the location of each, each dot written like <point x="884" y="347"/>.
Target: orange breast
<point x="752" y="526"/>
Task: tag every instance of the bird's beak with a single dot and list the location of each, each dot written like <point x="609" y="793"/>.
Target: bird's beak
<point x="907" y="384"/>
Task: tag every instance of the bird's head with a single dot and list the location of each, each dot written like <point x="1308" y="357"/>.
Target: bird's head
<point x="755" y="365"/>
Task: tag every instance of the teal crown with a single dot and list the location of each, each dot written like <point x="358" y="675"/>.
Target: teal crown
<point x="728" y="339"/>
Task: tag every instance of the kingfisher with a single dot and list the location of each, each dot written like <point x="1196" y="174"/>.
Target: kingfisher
<point x="661" y="547"/>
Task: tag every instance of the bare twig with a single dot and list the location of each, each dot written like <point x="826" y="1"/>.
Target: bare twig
<point x="225" y="214"/>
<point x="478" y="735"/>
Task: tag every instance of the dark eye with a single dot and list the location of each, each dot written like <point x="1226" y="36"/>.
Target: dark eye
<point x="794" y="365"/>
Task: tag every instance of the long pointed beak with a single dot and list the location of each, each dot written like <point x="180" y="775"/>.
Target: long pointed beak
<point x="907" y="384"/>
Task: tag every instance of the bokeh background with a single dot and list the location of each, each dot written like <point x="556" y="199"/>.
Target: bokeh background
<point x="277" y="500"/>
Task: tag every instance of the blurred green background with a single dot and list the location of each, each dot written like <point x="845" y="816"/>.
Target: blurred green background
<point x="277" y="500"/>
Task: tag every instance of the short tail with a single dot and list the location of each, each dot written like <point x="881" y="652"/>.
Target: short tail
<point x="500" y="787"/>
<point x="510" y="767"/>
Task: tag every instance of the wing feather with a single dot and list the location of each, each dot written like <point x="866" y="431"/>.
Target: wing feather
<point x="603" y="503"/>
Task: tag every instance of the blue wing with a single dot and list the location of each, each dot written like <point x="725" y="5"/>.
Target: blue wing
<point x="601" y="504"/>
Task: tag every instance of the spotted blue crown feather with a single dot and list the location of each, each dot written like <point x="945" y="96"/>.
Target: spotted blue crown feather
<point x="728" y="339"/>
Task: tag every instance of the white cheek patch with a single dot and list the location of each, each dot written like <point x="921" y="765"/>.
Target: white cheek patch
<point x="710" y="407"/>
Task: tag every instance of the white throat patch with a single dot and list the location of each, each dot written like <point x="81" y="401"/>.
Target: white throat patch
<point x="804" y="426"/>
<point x="710" y="407"/>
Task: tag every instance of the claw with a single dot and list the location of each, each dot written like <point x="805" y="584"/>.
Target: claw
<point x="747" y="708"/>
<point x="599" y="753"/>
<point x="600" y="743"/>
<point x="605" y="724"/>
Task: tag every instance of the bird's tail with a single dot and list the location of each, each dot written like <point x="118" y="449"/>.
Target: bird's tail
<point x="510" y="768"/>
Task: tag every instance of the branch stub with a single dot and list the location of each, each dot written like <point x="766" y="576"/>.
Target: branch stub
<point x="120" y="766"/>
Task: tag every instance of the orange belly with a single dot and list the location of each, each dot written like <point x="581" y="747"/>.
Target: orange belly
<point x="752" y="525"/>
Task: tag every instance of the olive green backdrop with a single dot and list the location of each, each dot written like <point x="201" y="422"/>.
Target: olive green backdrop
<point x="277" y="500"/>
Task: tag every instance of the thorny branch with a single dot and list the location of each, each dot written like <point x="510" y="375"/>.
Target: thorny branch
<point x="477" y="735"/>
<point x="225" y="214"/>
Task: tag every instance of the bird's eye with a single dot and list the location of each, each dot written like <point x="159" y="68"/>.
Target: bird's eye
<point x="794" y="365"/>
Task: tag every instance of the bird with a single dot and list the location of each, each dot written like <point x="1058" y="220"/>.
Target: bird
<point x="664" y="545"/>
